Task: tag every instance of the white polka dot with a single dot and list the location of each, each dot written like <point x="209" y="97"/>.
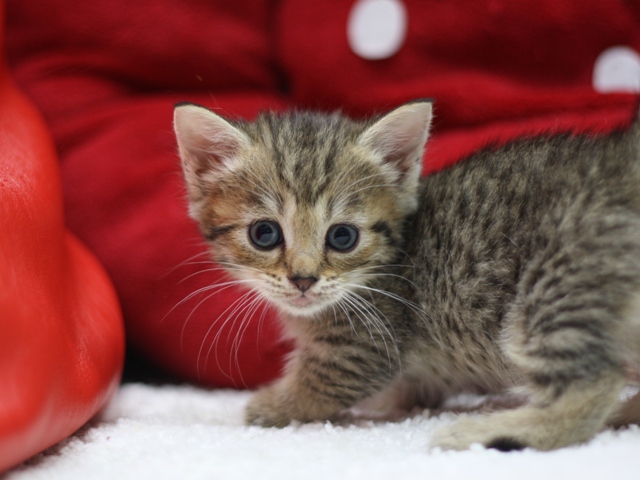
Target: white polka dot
<point x="377" y="28"/>
<point x="617" y="69"/>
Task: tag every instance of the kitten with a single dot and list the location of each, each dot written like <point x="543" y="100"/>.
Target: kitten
<point x="517" y="269"/>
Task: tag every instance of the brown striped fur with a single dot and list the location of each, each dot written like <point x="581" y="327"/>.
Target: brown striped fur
<point x="517" y="269"/>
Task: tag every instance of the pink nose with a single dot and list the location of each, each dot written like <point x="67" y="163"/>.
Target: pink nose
<point x="303" y="283"/>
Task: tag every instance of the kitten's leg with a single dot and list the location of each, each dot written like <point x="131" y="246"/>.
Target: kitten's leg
<point x="322" y="379"/>
<point x="574" y="417"/>
<point x="565" y="335"/>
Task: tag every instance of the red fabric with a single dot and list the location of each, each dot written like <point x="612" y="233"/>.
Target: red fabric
<point x="497" y="69"/>
<point x="62" y="337"/>
<point x="106" y="74"/>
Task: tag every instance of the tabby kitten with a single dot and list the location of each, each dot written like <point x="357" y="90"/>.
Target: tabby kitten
<point x="515" y="269"/>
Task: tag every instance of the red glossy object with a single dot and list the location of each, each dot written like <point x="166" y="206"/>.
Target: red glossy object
<point x="61" y="334"/>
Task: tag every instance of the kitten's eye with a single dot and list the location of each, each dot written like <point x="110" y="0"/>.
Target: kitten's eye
<point x="342" y="237"/>
<point x="265" y="234"/>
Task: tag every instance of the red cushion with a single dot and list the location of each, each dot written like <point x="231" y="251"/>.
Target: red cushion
<point x="144" y="45"/>
<point x="496" y="69"/>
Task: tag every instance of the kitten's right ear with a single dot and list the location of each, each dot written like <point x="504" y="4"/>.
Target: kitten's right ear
<point x="400" y="136"/>
<point x="398" y="140"/>
<point x="208" y="144"/>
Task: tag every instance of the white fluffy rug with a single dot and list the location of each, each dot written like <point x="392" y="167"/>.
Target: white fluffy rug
<point x="173" y="432"/>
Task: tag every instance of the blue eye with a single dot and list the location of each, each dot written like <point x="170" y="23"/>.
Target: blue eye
<point x="342" y="237"/>
<point x="265" y="234"/>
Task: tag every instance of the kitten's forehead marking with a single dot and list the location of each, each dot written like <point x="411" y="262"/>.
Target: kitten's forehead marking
<point x="303" y="228"/>
<point x="303" y="224"/>
<point x="304" y="150"/>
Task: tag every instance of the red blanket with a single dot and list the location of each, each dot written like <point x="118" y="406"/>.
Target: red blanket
<point x="106" y="74"/>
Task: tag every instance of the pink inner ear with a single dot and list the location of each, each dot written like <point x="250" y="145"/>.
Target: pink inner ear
<point x="205" y="139"/>
<point x="401" y="135"/>
<point x="405" y="155"/>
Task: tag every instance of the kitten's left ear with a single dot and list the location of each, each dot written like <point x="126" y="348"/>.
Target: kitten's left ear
<point x="208" y="145"/>
<point x="400" y="136"/>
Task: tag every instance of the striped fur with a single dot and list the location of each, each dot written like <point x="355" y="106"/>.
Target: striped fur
<point x="515" y="269"/>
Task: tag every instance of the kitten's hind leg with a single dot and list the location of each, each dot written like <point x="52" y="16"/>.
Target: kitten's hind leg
<point x="565" y="335"/>
<point x="574" y="417"/>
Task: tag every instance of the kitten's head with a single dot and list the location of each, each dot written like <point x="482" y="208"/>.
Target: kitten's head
<point x="303" y="206"/>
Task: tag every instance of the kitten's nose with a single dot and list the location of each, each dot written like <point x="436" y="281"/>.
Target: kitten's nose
<point x="303" y="283"/>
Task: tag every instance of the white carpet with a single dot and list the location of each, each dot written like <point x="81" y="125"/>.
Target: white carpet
<point x="176" y="432"/>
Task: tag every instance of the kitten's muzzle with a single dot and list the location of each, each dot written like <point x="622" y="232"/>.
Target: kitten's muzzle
<point x="303" y="283"/>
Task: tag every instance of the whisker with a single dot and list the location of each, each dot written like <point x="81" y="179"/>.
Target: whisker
<point x="223" y="286"/>
<point x="237" y="303"/>
<point x="378" y="316"/>
<point x="256" y="302"/>
<point x="360" y="180"/>
<point x="379" y="185"/>
<point x="388" y="275"/>
<point x="363" y="321"/>
<point x="238" y="266"/>
<point x="416" y="308"/>
<point x="340" y="305"/>
<point x="385" y="265"/>
<point x="247" y="301"/>
<point x="186" y="262"/>
<point x="345" y="192"/>
<point x="186" y="322"/>
<point x="379" y="324"/>
<point x="204" y="270"/>
<point x="339" y="187"/>
<point x="266" y="304"/>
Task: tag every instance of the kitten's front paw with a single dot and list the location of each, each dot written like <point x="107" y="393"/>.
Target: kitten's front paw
<point x="265" y="409"/>
<point x="468" y="431"/>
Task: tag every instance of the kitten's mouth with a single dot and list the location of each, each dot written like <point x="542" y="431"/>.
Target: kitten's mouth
<point x="304" y="304"/>
<point x="301" y="301"/>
